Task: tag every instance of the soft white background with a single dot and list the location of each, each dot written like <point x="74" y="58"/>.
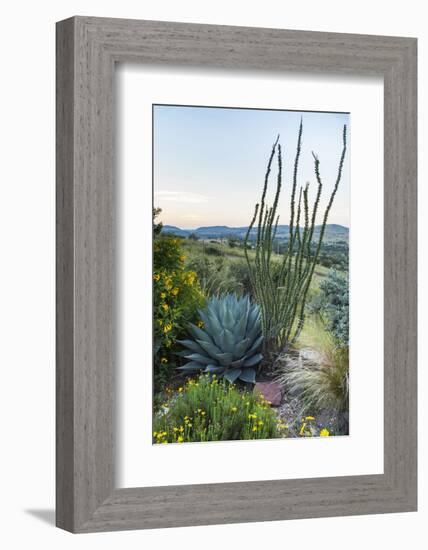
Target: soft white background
<point x="361" y="452"/>
<point x="27" y="273"/>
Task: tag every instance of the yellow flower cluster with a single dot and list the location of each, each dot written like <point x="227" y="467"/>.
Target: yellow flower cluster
<point x="160" y="437"/>
<point x="167" y="327"/>
<point x="306" y="429"/>
<point x="190" y="278"/>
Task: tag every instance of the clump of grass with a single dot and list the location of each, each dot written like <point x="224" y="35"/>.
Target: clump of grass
<point x="207" y="409"/>
<point x="322" y="384"/>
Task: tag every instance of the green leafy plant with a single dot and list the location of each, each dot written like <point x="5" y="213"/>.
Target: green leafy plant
<point x="176" y="297"/>
<point x="228" y="341"/>
<point x="282" y="295"/>
<point x="208" y="409"/>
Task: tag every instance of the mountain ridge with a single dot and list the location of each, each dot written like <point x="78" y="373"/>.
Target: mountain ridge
<point x="333" y="231"/>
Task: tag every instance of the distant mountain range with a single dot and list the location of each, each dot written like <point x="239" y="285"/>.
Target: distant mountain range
<point x="333" y="232"/>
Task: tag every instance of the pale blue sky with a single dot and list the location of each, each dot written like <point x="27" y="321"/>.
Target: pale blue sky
<point x="209" y="163"/>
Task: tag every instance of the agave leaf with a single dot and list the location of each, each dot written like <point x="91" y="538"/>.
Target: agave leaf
<point x="248" y="375"/>
<point x="215" y="327"/>
<point x="199" y="334"/>
<point x="225" y="359"/>
<point x="232" y="374"/>
<point x="192" y="366"/>
<point x="210" y="348"/>
<point x="214" y="306"/>
<point x="253" y="316"/>
<point x="241" y="326"/>
<point x="227" y="340"/>
<point x="253" y="361"/>
<point x="239" y="349"/>
<point x="255" y="346"/>
<point x="255" y="331"/>
<point x="192" y="345"/>
<point x="239" y="362"/>
<point x="203" y="359"/>
<point x="229" y="319"/>
<point x="203" y="314"/>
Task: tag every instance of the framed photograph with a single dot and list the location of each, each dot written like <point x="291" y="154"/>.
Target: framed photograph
<point x="236" y="274"/>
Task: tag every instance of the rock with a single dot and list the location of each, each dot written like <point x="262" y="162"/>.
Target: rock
<point x="271" y="391"/>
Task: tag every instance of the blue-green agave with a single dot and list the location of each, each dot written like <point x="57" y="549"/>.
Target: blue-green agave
<point x="228" y="343"/>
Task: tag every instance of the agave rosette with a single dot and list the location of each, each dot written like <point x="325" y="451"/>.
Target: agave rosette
<point x="228" y="342"/>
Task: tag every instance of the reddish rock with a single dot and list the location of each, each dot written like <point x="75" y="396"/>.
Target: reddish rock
<point x="271" y="391"/>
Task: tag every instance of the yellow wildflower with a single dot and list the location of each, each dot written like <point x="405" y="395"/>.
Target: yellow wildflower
<point x="302" y="429"/>
<point x="156" y="277"/>
<point x="180" y="439"/>
<point x="234" y="409"/>
<point x="324" y="432"/>
<point x="163" y="295"/>
<point x="167" y="327"/>
<point x="182" y="258"/>
<point x="165" y="307"/>
<point x="180" y="390"/>
<point x="310" y="418"/>
<point x="200" y="324"/>
<point x="164" y="360"/>
<point x="191" y="278"/>
<point x="254" y="428"/>
<point x="174" y="291"/>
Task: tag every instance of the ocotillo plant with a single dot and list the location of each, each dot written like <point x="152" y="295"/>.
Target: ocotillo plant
<point x="281" y="288"/>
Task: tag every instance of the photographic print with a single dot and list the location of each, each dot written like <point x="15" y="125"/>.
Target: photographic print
<point x="250" y="274"/>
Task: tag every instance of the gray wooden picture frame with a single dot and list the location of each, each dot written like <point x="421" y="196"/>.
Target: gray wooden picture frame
<point x="87" y="50"/>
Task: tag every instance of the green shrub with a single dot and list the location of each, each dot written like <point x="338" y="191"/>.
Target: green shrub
<point x="332" y="304"/>
<point x="213" y="250"/>
<point x="240" y="274"/>
<point x="176" y="297"/>
<point x="228" y="343"/>
<point x="214" y="274"/>
<point x="211" y="410"/>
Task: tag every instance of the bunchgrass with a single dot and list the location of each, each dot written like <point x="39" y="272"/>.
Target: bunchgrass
<point x="321" y="384"/>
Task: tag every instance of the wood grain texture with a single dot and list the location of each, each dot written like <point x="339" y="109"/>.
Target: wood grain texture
<point x="87" y="50"/>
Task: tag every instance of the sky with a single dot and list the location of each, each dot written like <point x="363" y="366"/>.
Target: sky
<point x="209" y="163"/>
